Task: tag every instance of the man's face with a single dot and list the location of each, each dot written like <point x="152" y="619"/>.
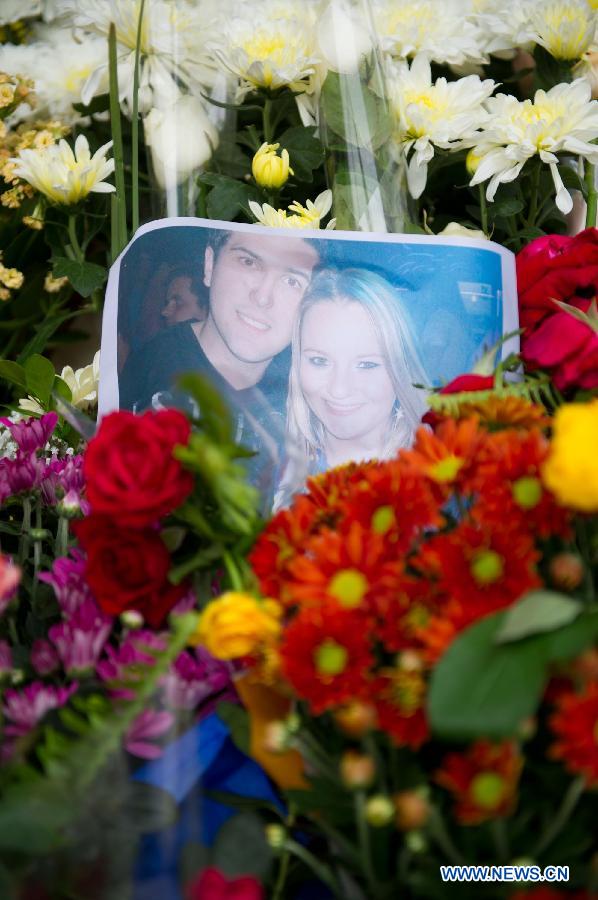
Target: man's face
<point x="256" y="284"/>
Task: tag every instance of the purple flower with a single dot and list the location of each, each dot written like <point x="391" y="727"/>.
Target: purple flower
<point x="185" y="604"/>
<point x="62" y="477"/>
<point x="81" y="638"/>
<point x="10" y="575"/>
<point x="23" y="473"/>
<point x="120" y="664"/>
<point x="44" y="657"/>
<point x="32" y="434"/>
<point x="193" y="677"/>
<point x="5" y="657"/>
<point x="68" y="580"/>
<point x="25" y="708"/>
<point x="148" y="724"/>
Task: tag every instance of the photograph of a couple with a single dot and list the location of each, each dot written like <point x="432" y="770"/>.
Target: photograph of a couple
<point x="324" y="346"/>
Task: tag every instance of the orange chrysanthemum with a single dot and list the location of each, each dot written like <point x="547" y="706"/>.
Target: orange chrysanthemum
<point x="497" y="411"/>
<point x="483" y="780"/>
<point x="509" y="485"/>
<point x="391" y="499"/>
<point x="575" y="724"/>
<point x="479" y="569"/>
<point x="446" y="456"/>
<point x="326" y="656"/>
<point x="407" y="612"/>
<point x="356" y="570"/>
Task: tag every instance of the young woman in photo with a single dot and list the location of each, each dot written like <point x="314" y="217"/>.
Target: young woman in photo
<point x="351" y="387"/>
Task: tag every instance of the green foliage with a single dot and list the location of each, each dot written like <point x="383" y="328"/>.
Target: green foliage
<point x="537" y="612"/>
<point x="236" y="718"/>
<point x="85" y="277"/>
<point x="354" y="113"/>
<point x="39" y="377"/>
<point x="228" y="197"/>
<point x="483" y="686"/>
<point x="241" y="847"/>
<point x="306" y="152"/>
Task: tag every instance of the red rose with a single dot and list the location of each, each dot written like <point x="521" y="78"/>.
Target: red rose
<point x="212" y="885"/>
<point x="130" y="471"/>
<point x="566" y="347"/>
<point x="127" y="569"/>
<point x="556" y="267"/>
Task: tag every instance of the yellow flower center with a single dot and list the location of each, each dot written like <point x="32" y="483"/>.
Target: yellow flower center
<point x="447" y="469"/>
<point x="383" y="519"/>
<point x="566" y="31"/>
<point x="76" y="77"/>
<point x="349" y="587"/>
<point x="487" y="567"/>
<point x="330" y="658"/>
<point x="407" y="691"/>
<point x="487" y="790"/>
<point x="527" y="492"/>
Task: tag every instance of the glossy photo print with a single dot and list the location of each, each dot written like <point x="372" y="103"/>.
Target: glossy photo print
<point x="323" y="344"/>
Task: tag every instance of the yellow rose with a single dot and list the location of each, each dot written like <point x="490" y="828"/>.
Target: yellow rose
<point x="237" y="625"/>
<point x="571" y="470"/>
<point x="269" y="170"/>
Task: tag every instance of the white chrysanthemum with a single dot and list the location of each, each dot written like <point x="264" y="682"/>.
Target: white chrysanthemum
<point x="438" y="28"/>
<point x="566" y="28"/>
<point x="172" y="46"/>
<point x="430" y="114"/>
<point x="503" y="25"/>
<point x="268" y="52"/>
<point x="564" y="119"/>
<point x="63" y="176"/>
<point x="59" y="67"/>
<point x="309" y="216"/>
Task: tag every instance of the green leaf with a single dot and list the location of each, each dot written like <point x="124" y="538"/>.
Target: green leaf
<point x="505" y="208"/>
<point x="85" y="277"/>
<point x="241" y="847"/>
<point x="228" y="196"/>
<point x="43" y="334"/>
<point x="482" y="688"/>
<point x="537" y="612"/>
<point x="550" y="71"/>
<point x="39" y="376"/>
<point x="237" y="720"/>
<point x="572" y="180"/>
<point x="305" y="151"/>
<point x="215" y="417"/>
<point x="61" y="388"/>
<point x="13" y="372"/>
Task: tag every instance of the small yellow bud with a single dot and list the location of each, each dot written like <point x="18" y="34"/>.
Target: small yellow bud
<point x="356" y="719"/>
<point x="270" y="170"/>
<point x="11" y="278"/>
<point x="379" y="811"/>
<point x="276" y="737"/>
<point x="131" y="618"/>
<point x="412" y="809"/>
<point x="276" y="836"/>
<point x="54" y="285"/>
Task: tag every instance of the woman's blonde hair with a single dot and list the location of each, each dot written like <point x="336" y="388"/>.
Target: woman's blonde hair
<point x="382" y="302"/>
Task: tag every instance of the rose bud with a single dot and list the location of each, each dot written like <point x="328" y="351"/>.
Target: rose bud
<point x="357" y="770"/>
<point x="566" y="571"/>
<point x="379" y="811"/>
<point x="356" y="719"/>
<point x="412" y="809"/>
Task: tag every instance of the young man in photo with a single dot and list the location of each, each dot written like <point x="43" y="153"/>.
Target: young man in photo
<point x="255" y="283"/>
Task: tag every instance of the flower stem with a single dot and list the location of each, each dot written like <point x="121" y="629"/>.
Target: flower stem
<point x="37" y="547"/>
<point x="62" y="537"/>
<point x="533" y="208"/>
<point x="232" y="570"/>
<point x="499" y="836"/>
<point x="439" y="833"/>
<point x="364" y="843"/>
<point x="570" y="800"/>
<point x="483" y="208"/>
<point x="135" y="128"/>
<point x="25" y="529"/>
<point x="320" y="871"/>
<point x="590" y="178"/>
<point x="120" y="206"/>
<point x="75" y="245"/>
<point x="266" y="121"/>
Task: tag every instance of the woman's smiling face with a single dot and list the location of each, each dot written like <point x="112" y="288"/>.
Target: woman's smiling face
<point x="343" y="372"/>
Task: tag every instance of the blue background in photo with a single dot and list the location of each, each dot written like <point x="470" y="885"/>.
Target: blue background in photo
<point x="453" y="296"/>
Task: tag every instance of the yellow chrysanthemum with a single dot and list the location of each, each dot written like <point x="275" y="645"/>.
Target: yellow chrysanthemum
<point x="297" y="216"/>
<point x="270" y="170"/>
<point x="237" y="625"/>
<point x="571" y="471"/>
<point x="566" y="28"/>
